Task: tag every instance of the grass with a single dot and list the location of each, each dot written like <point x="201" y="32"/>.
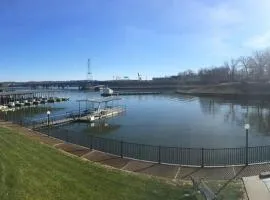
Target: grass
<point x="234" y="190"/>
<point x="30" y="170"/>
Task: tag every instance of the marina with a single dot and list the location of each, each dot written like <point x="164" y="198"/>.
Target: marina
<point x="163" y="119"/>
<point x="19" y="99"/>
<point x="156" y="128"/>
<point x="101" y="108"/>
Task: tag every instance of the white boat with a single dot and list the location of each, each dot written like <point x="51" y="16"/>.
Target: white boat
<point x="3" y="108"/>
<point x="11" y="104"/>
<point x="107" y="92"/>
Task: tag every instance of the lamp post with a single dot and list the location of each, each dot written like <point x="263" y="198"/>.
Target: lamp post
<point x="48" y="116"/>
<point x="247" y="126"/>
<point x="48" y="120"/>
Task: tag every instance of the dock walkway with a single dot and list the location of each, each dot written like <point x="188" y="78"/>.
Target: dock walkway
<point x="136" y="93"/>
<point x="126" y="93"/>
<point x="87" y="116"/>
<point x="44" y="123"/>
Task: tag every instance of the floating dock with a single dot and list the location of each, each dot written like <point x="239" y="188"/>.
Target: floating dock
<point x="102" y="111"/>
<point x="19" y="99"/>
<point x="107" y="113"/>
<point x="129" y="93"/>
<point x="91" y="117"/>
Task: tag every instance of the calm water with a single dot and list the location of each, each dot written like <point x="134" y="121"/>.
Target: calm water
<point x="173" y="120"/>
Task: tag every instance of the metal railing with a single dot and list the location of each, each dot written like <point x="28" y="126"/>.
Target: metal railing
<point x="202" y="157"/>
<point x="171" y="155"/>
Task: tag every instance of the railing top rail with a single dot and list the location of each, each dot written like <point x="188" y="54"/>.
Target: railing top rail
<point x="174" y="155"/>
<point x="58" y="115"/>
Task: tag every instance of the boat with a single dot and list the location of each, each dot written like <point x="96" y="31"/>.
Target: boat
<point x="43" y="100"/>
<point x="64" y="99"/>
<point x="18" y="104"/>
<point x="107" y="92"/>
<point x="51" y="100"/>
<point x="3" y="108"/>
<point x="28" y="102"/>
<point x="11" y="104"/>
<point x="36" y="102"/>
<point x="58" y="99"/>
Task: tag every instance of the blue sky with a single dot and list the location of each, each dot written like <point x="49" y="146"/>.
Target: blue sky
<point x="52" y="40"/>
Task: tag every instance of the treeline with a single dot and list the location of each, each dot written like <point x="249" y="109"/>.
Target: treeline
<point x="245" y="68"/>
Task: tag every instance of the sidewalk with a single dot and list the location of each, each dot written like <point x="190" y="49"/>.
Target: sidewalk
<point x="256" y="188"/>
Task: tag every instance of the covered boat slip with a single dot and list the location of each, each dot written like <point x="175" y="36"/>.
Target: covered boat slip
<point x="18" y="99"/>
<point x="101" y="108"/>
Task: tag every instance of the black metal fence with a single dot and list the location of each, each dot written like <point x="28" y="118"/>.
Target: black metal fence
<point x="41" y="122"/>
<point x="170" y="155"/>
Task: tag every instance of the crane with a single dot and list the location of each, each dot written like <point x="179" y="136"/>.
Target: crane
<point x="139" y="77"/>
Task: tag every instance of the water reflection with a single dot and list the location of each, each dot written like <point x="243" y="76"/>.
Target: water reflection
<point x="26" y="113"/>
<point x="239" y="112"/>
<point x="100" y="127"/>
<point x="169" y="120"/>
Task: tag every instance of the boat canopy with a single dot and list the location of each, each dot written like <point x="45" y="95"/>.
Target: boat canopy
<point x="101" y="100"/>
<point x="25" y="92"/>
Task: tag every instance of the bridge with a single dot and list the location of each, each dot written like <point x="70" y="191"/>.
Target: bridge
<point x="114" y="84"/>
<point x="81" y="84"/>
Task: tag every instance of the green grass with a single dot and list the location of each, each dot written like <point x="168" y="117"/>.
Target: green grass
<point x="233" y="191"/>
<point x="30" y="170"/>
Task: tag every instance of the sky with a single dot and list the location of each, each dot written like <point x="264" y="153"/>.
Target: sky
<point x="52" y="40"/>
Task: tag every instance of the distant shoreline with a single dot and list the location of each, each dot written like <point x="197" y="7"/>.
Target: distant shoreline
<point x="235" y="90"/>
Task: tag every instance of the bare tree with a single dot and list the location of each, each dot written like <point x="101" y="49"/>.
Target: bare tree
<point x="258" y="64"/>
<point x="233" y="67"/>
<point x="255" y="67"/>
<point x="267" y="62"/>
<point x="245" y="61"/>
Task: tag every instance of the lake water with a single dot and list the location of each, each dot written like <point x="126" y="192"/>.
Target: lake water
<point x="172" y="120"/>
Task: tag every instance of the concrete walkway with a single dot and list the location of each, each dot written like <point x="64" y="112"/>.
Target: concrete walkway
<point x="256" y="188"/>
<point x="173" y="172"/>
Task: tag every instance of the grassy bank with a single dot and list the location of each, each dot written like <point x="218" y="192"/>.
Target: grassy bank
<point x="30" y="170"/>
<point x="229" y="89"/>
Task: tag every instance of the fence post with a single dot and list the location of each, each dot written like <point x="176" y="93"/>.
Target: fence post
<point x="6" y="117"/>
<point x="159" y="159"/>
<point x="202" y="164"/>
<point x="91" y="144"/>
<point x="67" y="136"/>
<point x="246" y="147"/>
<point x="48" y="131"/>
<point x="121" y="148"/>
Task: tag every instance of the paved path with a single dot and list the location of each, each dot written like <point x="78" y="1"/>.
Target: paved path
<point x="256" y="188"/>
<point x="173" y="172"/>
